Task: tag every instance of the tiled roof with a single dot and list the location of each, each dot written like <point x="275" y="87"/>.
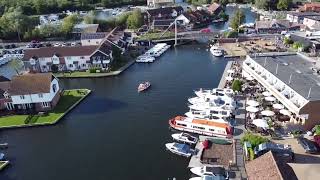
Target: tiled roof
<point x="213" y="7"/>
<point x="270" y="166"/>
<point x="166" y="10"/>
<point x="59" y="51"/>
<point x="165" y="22"/>
<point x="31" y="84"/>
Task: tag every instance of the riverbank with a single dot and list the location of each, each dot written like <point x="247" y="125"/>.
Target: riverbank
<point x="94" y="75"/>
<point x="69" y="100"/>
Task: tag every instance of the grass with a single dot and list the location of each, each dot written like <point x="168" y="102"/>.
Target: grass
<point x="68" y="98"/>
<point x="156" y="35"/>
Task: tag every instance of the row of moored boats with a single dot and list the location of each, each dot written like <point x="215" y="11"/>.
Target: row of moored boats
<point x="151" y="55"/>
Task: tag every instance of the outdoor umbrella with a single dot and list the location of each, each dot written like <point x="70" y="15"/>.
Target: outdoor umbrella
<point x="270" y="98"/>
<point x="230" y="71"/>
<point x="229" y="78"/>
<point x="252" y="109"/>
<point x="260" y="123"/>
<point x="266" y="93"/>
<point x="253" y="103"/>
<point x="277" y="106"/>
<point x="249" y="78"/>
<point x="285" y="112"/>
<point x="267" y="113"/>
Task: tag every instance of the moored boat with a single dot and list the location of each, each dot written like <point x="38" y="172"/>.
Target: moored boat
<point x="216" y="92"/>
<point x="184" y="137"/>
<point x="202" y="126"/>
<point x="143" y="86"/>
<point x="216" y="51"/>
<point x="180" y="149"/>
<point x="208" y="177"/>
<point x="210" y="170"/>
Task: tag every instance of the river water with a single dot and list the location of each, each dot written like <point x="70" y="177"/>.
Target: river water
<point x="116" y="133"/>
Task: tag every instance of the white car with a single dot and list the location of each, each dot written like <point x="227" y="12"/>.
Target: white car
<point x="210" y="171"/>
<point x="56" y="45"/>
<point x="73" y="44"/>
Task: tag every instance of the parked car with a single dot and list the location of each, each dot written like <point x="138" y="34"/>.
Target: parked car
<point x="56" y="45"/>
<point x="73" y="44"/>
<point x="280" y="149"/>
<point x="307" y="145"/>
<point x="48" y="44"/>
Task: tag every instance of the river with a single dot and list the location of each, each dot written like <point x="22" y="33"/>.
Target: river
<point x="116" y="133"/>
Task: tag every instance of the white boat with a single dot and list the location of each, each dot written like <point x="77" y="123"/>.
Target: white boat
<point x="202" y="126"/>
<point x="218" y="114"/>
<point x="180" y="149"/>
<point x="185" y="138"/>
<point x="216" y="91"/>
<point x="144" y="86"/>
<point x="210" y="171"/>
<point x="145" y="59"/>
<point x="208" y="177"/>
<point x="216" y="51"/>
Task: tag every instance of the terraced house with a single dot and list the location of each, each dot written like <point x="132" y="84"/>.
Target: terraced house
<point x="78" y="58"/>
<point x="30" y="92"/>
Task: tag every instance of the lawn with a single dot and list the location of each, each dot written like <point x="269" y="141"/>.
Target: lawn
<point x="68" y="98"/>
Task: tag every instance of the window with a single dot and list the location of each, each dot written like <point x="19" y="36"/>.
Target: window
<point x="83" y="65"/>
<point x="181" y="124"/>
<point x="22" y="97"/>
<point x="82" y="57"/>
<point x="54" y="88"/>
<point x="211" y="129"/>
<point x="45" y="104"/>
<point x="71" y="65"/>
<point x="68" y="58"/>
<point x="40" y="95"/>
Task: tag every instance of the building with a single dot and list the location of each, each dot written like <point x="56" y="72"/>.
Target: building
<point x="52" y="19"/>
<point x="270" y="166"/>
<point x="85" y="28"/>
<point x="298" y="17"/>
<point x="194" y="19"/>
<point x="162" y="13"/>
<point x="310" y="7"/>
<point x="293" y="80"/>
<point x="309" y="39"/>
<point x="275" y="26"/>
<point x="215" y="9"/>
<point x="159" y="3"/>
<point x="33" y="92"/>
<point x="92" y="39"/>
<point x="68" y="58"/>
<point x="312" y="22"/>
<point x="4" y="96"/>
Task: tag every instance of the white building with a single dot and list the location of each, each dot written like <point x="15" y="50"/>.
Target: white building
<point x="36" y="92"/>
<point x="159" y="3"/>
<point x="292" y="81"/>
<point x="298" y="17"/>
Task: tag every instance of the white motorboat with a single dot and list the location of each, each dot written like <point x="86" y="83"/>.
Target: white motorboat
<point x="208" y="177"/>
<point x="210" y="171"/>
<point x="185" y="138"/>
<point x="216" y="51"/>
<point x="180" y="149"/>
<point x="145" y="59"/>
<point x="216" y="115"/>
<point x="213" y="102"/>
<point x="216" y="91"/>
<point x="144" y="86"/>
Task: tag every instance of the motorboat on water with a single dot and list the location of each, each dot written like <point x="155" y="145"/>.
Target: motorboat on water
<point x="208" y="177"/>
<point x="144" y="86"/>
<point x="216" y="91"/>
<point x="145" y="59"/>
<point x="185" y="138"/>
<point x="202" y="126"/>
<point x="216" y="51"/>
<point x="218" y="114"/>
<point x="180" y="149"/>
<point x="210" y="171"/>
<point x="223" y="105"/>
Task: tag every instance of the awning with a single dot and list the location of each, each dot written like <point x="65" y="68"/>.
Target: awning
<point x="252" y="109"/>
<point x="267" y="113"/>
<point x="253" y="103"/>
<point x="270" y="98"/>
<point x="277" y="106"/>
<point x="260" y="123"/>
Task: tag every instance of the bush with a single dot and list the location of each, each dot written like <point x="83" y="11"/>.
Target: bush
<point x="94" y="70"/>
<point x="317" y="127"/>
<point x="254" y="140"/>
<point x="251" y="154"/>
<point x="232" y="34"/>
<point x="287" y="41"/>
<point x="297" y="45"/>
<point x="236" y="85"/>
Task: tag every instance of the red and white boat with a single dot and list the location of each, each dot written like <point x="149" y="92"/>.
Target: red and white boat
<point x="202" y="126"/>
<point x="143" y="86"/>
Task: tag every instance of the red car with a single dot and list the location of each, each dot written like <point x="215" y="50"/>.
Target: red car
<point x="207" y="30"/>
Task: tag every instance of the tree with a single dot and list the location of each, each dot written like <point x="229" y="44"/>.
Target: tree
<point x="116" y="53"/>
<point x="68" y="23"/>
<point x="16" y="64"/>
<point x="54" y="68"/>
<point x="287" y="41"/>
<point x="236" y="85"/>
<point x="261" y="4"/>
<point x="283" y="4"/>
<point x="237" y="19"/>
<point x="135" y="20"/>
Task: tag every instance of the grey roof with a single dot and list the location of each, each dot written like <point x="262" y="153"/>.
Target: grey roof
<point x="316" y="18"/>
<point x="302" y="79"/>
<point x="98" y="35"/>
<point x="304" y="14"/>
<point x="282" y="23"/>
<point x="165" y="22"/>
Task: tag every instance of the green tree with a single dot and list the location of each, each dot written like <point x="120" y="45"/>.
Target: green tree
<point x="135" y="20"/>
<point x="261" y="4"/>
<point x="40" y="6"/>
<point x="287" y="41"/>
<point x="237" y="19"/>
<point x="254" y="140"/>
<point x="68" y="23"/>
<point x="236" y="85"/>
<point x="54" y="68"/>
<point x="283" y="4"/>
<point x="16" y="64"/>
